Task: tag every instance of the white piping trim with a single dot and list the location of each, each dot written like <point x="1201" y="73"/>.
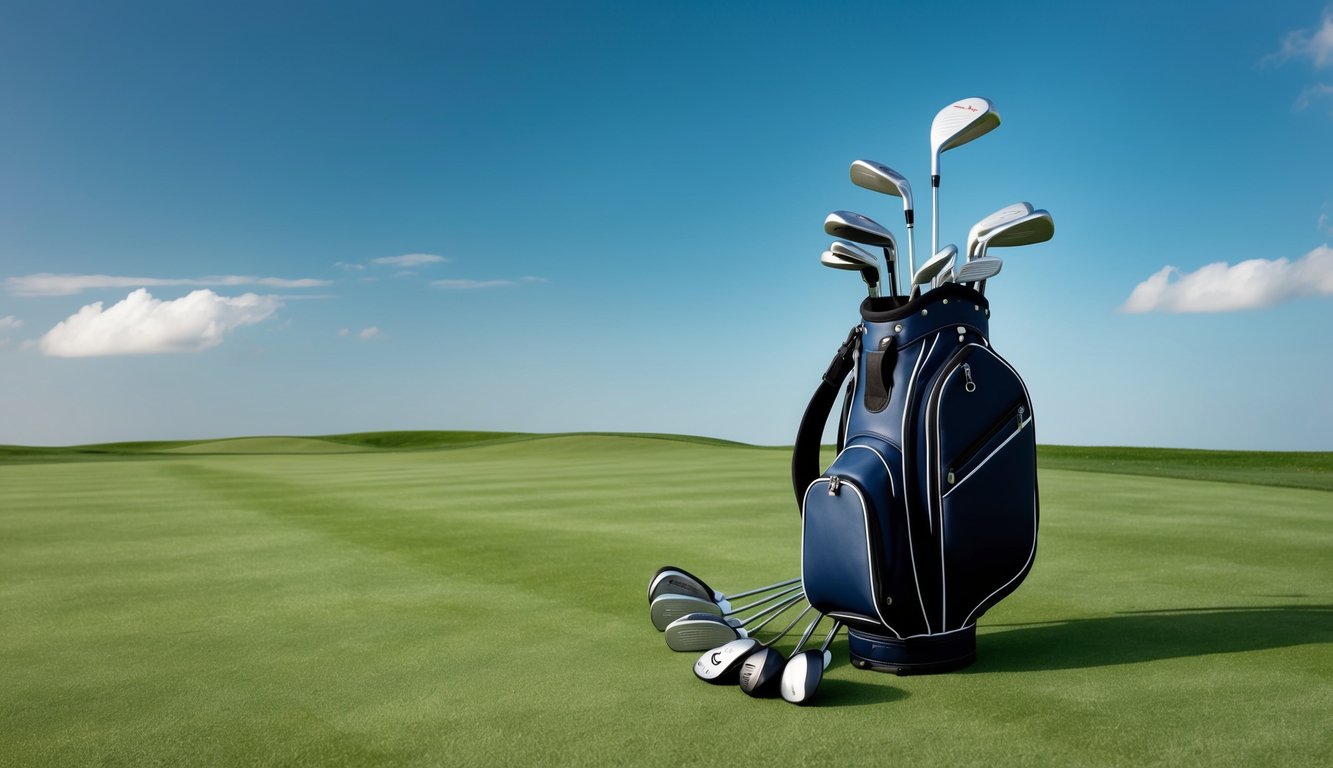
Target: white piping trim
<point x="1027" y="397"/>
<point x="870" y="556"/>
<point x="1026" y="565"/>
<point x="907" y="507"/>
<point x="959" y="483"/>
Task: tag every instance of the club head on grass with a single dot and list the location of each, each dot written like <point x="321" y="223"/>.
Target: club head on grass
<point x="667" y="608"/>
<point x="722" y="665"/>
<point x="701" y="631"/>
<point x="761" y="673"/>
<point x="670" y="580"/>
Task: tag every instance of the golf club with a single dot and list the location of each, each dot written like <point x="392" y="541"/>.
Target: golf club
<point x="993" y="220"/>
<point x="722" y="665"/>
<point x="883" y="179"/>
<point x="701" y="631"/>
<point x="933" y="266"/>
<point x="805" y="670"/>
<point x="667" y="608"/>
<point x="864" y="230"/>
<point x="978" y="270"/>
<point x="673" y="580"/>
<point x="1036" y="227"/>
<point x="846" y="256"/>
<point x="762" y="671"/>
<point x="954" y="126"/>
<point x="945" y="272"/>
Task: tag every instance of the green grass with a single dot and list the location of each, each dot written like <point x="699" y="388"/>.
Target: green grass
<point x="1293" y="469"/>
<point x="478" y="599"/>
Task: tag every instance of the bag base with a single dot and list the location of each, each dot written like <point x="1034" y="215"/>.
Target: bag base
<point x="924" y="655"/>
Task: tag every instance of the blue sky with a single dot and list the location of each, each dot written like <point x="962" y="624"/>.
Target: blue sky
<point x="259" y="218"/>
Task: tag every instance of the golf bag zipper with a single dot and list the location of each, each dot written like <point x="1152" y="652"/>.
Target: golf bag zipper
<point x="960" y="466"/>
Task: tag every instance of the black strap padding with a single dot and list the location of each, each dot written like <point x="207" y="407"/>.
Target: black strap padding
<point x="877" y="395"/>
<point x="805" y="454"/>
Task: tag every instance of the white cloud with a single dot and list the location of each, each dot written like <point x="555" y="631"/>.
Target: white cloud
<point x="8" y="323"/>
<point x="468" y="285"/>
<point x="1309" y="95"/>
<point x="1219" y="287"/>
<point x="346" y="267"/>
<point x="365" y="334"/>
<point x="409" y="260"/>
<point x="1316" y="44"/>
<point x="143" y="325"/>
<point x="47" y="284"/>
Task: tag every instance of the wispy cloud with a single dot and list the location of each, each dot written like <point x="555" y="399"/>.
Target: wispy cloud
<point x="409" y="260"/>
<point x="365" y="334"/>
<point x="1220" y="287"/>
<point x="1312" y="94"/>
<point x="469" y="285"/>
<point x="8" y="323"/>
<point x="346" y="267"/>
<point x="48" y="284"/>
<point x="142" y="325"/>
<point x="1315" y="44"/>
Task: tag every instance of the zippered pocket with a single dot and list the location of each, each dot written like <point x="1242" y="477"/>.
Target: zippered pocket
<point x="980" y="483"/>
<point x="976" y="454"/>
<point x="846" y="550"/>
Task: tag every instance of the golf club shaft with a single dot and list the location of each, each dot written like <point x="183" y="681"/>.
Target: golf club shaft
<point x="785" y="629"/>
<point x="761" y="601"/>
<point x="837" y="625"/>
<point x="758" y="590"/>
<point x="775" y="612"/>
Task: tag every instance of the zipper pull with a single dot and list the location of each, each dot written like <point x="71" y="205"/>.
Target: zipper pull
<point x="951" y="479"/>
<point x="833" y="484"/>
<point x="970" y="386"/>
<point x="1022" y="409"/>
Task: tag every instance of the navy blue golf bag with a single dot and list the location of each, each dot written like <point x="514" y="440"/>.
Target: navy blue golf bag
<point x="928" y="515"/>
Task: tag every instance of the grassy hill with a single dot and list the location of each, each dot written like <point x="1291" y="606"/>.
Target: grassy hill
<point x="1278" y="468"/>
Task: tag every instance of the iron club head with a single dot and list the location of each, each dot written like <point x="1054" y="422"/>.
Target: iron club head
<point x="993" y="220"/>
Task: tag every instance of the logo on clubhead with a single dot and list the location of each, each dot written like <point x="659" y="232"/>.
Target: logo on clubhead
<point x="716" y="658"/>
<point x="968" y="107"/>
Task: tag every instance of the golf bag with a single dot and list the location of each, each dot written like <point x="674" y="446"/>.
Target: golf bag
<point x="928" y="515"/>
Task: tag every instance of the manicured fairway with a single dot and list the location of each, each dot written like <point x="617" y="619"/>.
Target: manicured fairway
<point x="479" y="600"/>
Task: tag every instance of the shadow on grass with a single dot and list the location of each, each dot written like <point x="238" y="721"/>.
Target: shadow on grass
<point x="1132" y="638"/>
<point x="855" y="693"/>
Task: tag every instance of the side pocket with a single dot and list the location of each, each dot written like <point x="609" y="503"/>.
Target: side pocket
<point x="984" y="486"/>
<point x="852" y="552"/>
<point x="990" y="528"/>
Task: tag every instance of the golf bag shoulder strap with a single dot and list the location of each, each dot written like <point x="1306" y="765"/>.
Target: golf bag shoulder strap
<point x="805" y="455"/>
